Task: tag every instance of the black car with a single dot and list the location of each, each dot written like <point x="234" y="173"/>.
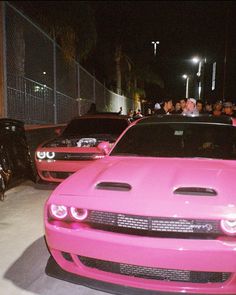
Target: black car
<point x="15" y="159"/>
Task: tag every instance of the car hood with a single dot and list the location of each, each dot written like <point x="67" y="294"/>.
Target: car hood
<point x="147" y="186"/>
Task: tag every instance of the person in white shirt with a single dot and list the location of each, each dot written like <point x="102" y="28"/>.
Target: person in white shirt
<point x="191" y="109"/>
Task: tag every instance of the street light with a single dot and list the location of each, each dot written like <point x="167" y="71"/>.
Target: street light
<point x="155" y="46"/>
<point x="187" y="83"/>
<point x="201" y="62"/>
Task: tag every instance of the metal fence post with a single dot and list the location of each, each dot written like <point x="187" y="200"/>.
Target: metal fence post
<point x="54" y="79"/>
<point x="78" y="87"/>
<point x="3" y="76"/>
<point x="104" y="96"/>
<point x="94" y="90"/>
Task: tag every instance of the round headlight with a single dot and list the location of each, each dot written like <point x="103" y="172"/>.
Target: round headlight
<point x="58" y="211"/>
<point x="50" y="155"/>
<point x="41" y="155"/>
<point x="228" y="226"/>
<point x="78" y="213"/>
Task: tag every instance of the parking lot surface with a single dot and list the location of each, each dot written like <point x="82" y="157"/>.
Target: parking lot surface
<point x="24" y="253"/>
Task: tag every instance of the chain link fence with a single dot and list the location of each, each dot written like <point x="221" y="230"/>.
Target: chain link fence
<point x="42" y="86"/>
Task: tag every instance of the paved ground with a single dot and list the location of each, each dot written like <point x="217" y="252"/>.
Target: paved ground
<point x="23" y="251"/>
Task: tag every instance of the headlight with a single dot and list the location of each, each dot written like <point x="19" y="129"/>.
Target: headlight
<point x="58" y="211"/>
<point x="41" y="155"/>
<point x="50" y="155"/>
<point x="229" y="226"/>
<point x="78" y="213"/>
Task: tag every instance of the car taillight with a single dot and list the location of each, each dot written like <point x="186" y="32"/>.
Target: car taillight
<point x="58" y="211"/>
<point x="229" y="226"/>
<point x="78" y="213"/>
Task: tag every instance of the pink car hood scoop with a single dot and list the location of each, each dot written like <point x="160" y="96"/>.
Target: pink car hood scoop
<point x="114" y="186"/>
<point x="198" y="191"/>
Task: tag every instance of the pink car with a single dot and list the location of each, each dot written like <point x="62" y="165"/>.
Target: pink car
<point x="157" y="214"/>
<point x="77" y="146"/>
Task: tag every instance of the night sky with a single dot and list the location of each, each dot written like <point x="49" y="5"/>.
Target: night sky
<point x="183" y="28"/>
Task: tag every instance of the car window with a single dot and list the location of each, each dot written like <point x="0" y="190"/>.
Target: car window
<point x="179" y="140"/>
<point x="89" y="126"/>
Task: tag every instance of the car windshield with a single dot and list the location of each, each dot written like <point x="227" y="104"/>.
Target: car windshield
<point x="178" y="140"/>
<point x="89" y="126"/>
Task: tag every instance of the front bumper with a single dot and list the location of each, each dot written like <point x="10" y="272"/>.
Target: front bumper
<point x="54" y="270"/>
<point x="57" y="171"/>
<point x="177" y="254"/>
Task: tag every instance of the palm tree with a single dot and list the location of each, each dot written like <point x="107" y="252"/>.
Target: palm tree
<point x="134" y="75"/>
<point x="71" y="23"/>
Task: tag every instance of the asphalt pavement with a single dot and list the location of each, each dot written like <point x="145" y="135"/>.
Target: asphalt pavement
<point x="23" y="250"/>
<point x="24" y="254"/>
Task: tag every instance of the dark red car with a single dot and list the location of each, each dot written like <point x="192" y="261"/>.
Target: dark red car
<point x="78" y="145"/>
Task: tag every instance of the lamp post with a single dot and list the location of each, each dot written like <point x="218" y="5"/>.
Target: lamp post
<point x="187" y="84"/>
<point x="155" y="46"/>
<point x="200" y="74"/>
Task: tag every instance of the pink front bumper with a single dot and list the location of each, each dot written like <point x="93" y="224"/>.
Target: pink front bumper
<point x="180" y="254"/>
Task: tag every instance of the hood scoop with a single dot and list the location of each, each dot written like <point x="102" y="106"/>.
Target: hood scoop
<point x="197" y="191"/>
<point x="114" y="186"/>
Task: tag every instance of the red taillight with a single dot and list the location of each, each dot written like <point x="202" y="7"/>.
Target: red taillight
<point x="58" y="211"/>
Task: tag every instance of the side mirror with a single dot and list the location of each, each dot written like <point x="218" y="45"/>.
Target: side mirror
<point x="104" y="147"/>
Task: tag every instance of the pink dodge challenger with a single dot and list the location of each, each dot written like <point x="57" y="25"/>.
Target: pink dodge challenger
<point x="157" y="215"/>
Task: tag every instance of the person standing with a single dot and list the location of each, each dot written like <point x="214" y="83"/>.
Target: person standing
<point x="166" y="107"/>
<point x="191" y="108"/>
<point x="228" y="109"/>
<point x="183" y="104"/>
<point x="120" y="111"/>
<point x="200" y="106"/>
<point x="177" y="109"/>
<point x="217" y="108"/>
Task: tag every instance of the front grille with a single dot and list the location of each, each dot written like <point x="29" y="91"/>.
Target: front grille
<point x="157" y="226"/>
<point x="153" y="273"/>
<point x="75" y="156"/>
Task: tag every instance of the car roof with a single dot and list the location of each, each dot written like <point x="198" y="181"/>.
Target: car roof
<point x="103" y="116"/>
<point x="8" y="121"/>
<point x="179" y="118"/>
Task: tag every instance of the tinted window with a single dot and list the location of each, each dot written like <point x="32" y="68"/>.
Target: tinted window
<point x="87" y="127"/>
<point x="178" y="140"/>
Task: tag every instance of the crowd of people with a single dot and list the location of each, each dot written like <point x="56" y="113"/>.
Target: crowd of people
<point x="189" y="107"/>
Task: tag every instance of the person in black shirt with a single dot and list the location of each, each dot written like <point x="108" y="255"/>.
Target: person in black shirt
<point x="228" y="109"/>
<point x="166" y="107"/>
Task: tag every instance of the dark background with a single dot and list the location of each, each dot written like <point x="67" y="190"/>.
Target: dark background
<point x="184" y="29"/>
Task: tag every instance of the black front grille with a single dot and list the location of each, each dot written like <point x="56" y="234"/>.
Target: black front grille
<point x="75" y="156"/>
<point x="153" y="273"/>
<point x="153" y="226"/>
